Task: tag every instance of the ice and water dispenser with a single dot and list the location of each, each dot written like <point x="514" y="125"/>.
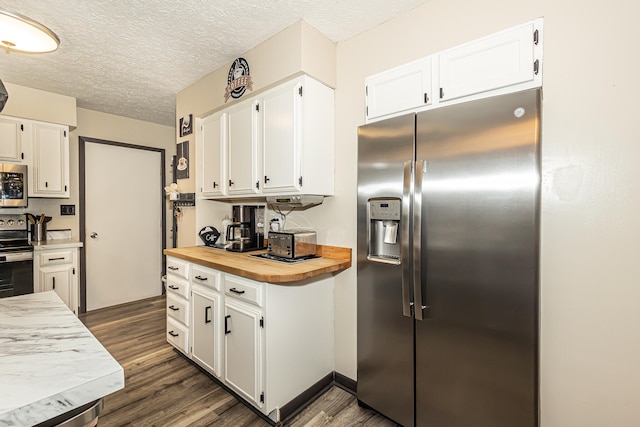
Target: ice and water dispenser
<point x="384" y="229"/>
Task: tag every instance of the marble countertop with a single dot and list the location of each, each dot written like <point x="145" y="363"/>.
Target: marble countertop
<point x="49" y="361"/>
<point x="56" y="244"/>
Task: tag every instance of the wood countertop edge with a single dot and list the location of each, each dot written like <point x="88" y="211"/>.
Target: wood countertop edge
<point x="340" y="257"/>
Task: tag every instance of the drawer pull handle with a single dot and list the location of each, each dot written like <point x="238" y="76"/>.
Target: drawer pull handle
<point x="56" y="259"/>
<point x="173" y="334"/>
<point x="202" y="278"/>
<point x="227" y="331"/>
<point x="174" y="308"/>
<point x="235" y="291"/>
<point x="207" y="310"/>
<point x="173" y="287"/>
<point x="171" y="267"/>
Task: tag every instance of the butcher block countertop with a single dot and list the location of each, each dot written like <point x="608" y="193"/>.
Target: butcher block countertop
<point x="331" y="259"/>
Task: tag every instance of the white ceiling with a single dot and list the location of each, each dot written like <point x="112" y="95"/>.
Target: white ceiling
<point x="131" y="57"/>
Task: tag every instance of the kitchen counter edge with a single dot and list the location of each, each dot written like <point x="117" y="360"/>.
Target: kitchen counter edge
<point x="56" y="244"/>
<point x="331" y="259"/>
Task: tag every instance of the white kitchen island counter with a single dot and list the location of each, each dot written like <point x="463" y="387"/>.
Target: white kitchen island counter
<point x="50" y="363"/>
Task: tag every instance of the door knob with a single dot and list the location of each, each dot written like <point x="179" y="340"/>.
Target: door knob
<point x="93" y="235"/>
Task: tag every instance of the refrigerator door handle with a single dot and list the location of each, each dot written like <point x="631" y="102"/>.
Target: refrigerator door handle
<point x="405" y="231"/>
<point x="417" y="237"/>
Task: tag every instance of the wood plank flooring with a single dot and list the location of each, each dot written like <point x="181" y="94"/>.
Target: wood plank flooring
<point x="164" y="389"/>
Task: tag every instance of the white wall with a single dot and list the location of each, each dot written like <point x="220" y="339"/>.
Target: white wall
<point x="590" y="344"/>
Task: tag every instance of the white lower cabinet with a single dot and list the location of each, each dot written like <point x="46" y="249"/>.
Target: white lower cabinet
<point x="205" y="315"/>
<point x="267" y="342"/>
<point x="243" y="337"/>
<point x="57" y="270"/>
<point x="178" y="304"/>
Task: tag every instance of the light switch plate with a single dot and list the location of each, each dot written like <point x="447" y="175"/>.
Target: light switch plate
<point x="67" y="209"/>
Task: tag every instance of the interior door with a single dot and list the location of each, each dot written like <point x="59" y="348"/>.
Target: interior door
<point x="123" y="208"/>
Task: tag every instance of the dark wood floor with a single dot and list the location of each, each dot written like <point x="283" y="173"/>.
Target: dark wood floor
<point x="164" y="389"/>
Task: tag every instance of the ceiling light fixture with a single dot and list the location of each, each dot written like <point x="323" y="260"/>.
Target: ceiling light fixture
<point x="22" y="34"/>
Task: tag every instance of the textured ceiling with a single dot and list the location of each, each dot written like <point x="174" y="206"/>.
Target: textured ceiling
<point x="131" y="57"/>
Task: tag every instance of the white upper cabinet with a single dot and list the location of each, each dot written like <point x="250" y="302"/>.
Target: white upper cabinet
<point x="503" y="59"/>
<point x="278" y="142"/>
<point x="213" y="157"/>
<point x="298" y="138"/>
<point x="11" y="140"/>
<point x="504" y="62"/>
<point x="400" y="89"/>
<point x="243" y="127"/>
<point x="49" y="173"/>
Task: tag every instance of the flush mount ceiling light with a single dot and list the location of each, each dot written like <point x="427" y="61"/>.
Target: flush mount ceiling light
<point x="22" y="34"/>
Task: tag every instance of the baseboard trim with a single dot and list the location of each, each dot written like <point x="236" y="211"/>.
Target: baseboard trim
<point x="345" y="383"/>
<point x="303" y="400"/>
<point x="298" y="403"/>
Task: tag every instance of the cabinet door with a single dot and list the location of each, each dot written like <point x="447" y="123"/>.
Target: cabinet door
<point x="213" y="154"/>
<point x="400" y="89"/>
<point x="11" y="137"/>
<point x="243" y="355"/>
<point x="59" y="279"/>
<point x="497" y="61"/>
<point x="206" y="329"/>
<point x="281" y="118"/>
<point x="243" y="130"/>
<point x="50" y="161"/>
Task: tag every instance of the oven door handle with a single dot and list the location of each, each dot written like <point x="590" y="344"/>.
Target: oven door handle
<point x="18" y="256"/>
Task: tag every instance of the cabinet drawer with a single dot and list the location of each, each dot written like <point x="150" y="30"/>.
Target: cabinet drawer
<point x="178" y="308"/>
<point x="56" y="257"/>
<point x="243" y="289"/>
<point x="205" y="277"/>
<point x="177" y="335"/>
<point x="178" y="286"/>
<point x="177" y="267"/>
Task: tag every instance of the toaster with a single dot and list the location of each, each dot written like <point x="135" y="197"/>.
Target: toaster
<point x="292" y="243"/>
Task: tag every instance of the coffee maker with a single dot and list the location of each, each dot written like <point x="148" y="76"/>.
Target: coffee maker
<point x="246" y="230"/>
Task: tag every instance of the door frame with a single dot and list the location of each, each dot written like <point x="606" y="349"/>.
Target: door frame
<point x="82" y="140"/>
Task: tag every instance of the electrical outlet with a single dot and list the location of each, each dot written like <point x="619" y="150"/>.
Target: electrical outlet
<point x="67" y="209"/>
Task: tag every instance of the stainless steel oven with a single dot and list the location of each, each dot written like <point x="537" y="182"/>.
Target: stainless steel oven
<point x="16" y="257"/>
<point x="13" y="185"/>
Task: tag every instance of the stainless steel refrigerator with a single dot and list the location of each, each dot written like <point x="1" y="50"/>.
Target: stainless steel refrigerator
<point x="448" y="237"/>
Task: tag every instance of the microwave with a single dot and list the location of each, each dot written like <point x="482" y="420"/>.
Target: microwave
<point x="13" y="185"/>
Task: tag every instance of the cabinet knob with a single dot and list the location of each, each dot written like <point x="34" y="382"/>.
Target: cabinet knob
<point x="93" y="235"/>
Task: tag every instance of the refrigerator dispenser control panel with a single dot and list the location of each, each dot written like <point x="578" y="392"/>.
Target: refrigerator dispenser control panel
<point x="384" y="225"/>
<point x="385" y="209"/>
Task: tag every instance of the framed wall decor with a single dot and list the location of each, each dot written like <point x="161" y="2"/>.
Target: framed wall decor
<point x="186" y="125"/>
<point x="182" y="157"/>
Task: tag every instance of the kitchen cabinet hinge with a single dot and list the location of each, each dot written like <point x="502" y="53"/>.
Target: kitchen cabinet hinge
<point x="536" y="37"/>
<point x="73" y="270"/>
<point x="22" y="155"/>
<point x="536" y="67"/>
<point x="65" y="133"/>
<point x="366" y="90"/>
<point x="262" y="322"/>
<point x="258" y="107"/>
<point x="257" y="185"/>
<point x="65" y="188"/>
<point x="426" y="98"/>
<point x="22" y="127"/>
<point x="300" y="181"/>
<point x="441" y="93"/>
<point x="300" y="91"/>
<point x="262" y="397"/>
